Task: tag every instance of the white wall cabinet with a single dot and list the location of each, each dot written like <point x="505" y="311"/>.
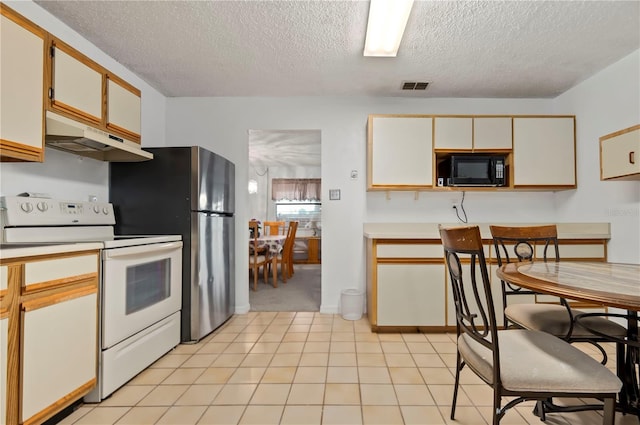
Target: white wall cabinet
<point x="492" y="133"/>
<point x="76" y="84"/>
<point x="453" y="133"/>
<point x="21" y="88"/>
<point x="402" y="155"/>
<point x="544" y="152"/>
<point x="123" y="107"/>
<point x="404" y="150"/>
<point x="620" y="155"/>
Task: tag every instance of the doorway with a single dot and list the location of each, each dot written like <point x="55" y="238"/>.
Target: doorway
<point x="277" y="156"/>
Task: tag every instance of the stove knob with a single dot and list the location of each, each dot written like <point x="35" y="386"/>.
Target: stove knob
<point x="96" y="209"/>
<point x="105" y="210"/>
<point x="26" y="207"/>
<point x="42" y="206"/>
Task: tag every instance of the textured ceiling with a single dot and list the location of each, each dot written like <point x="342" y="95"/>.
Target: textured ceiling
<point x="510" y="49"/>
<point x="517" y="49"/>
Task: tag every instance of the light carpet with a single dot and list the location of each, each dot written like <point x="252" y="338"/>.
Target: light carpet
<point x="300" y="293"/>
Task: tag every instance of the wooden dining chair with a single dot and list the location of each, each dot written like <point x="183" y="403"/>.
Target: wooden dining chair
<point x="285" y="258"/>
<point x="521" y="364"/>
<point x="275" y="227"/>
<point x="540" y="243"/>
<point x="258" y="257"/>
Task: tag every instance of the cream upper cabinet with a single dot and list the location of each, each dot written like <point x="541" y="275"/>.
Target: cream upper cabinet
<point x="400" y="153"/>
<point x="21" y="88"/>
<point x="76" y="84"/>
<point x="492" y="133"/>
<point x="544" y="152"/>
<point x="620" y="155"/>
<point x="453" y="133"/>
<point x="123" y="107"/>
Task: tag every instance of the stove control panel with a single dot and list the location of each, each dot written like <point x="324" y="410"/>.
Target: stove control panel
<point x="30" y="211"/>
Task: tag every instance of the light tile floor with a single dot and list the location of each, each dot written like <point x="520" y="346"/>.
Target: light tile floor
<point x="310" y="368"/>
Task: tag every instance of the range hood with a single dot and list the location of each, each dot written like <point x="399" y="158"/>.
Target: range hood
<point x="81" y="139"/>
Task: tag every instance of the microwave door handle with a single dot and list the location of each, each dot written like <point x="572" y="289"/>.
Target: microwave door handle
<point x="141" y="250"/>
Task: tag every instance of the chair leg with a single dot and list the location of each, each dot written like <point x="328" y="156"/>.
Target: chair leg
<point x="455" y="386"/>
<point x="255" y="279"/>
<point x="496" y="407"/>
<point x="609" y="411"/>
<point x="275" y="271"/>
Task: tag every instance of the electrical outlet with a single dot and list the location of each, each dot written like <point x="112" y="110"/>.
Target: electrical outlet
<point x="454" y="203"/>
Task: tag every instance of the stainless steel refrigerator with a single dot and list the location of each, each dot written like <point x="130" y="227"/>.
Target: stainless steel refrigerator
<point x="188" y="191"/>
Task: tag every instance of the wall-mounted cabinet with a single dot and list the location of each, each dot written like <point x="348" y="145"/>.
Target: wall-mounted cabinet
<point x="407" y="152"/>
<point x="123" y="107"/>
<point x="81" y="89"/>
<point x="544" y="152"/>
<point x="41" y="73"/>
<point x="400" y="153"/>
<point x="21" y="88"/>
<point x="76" y="83"/>
<point x="619" y="155"/>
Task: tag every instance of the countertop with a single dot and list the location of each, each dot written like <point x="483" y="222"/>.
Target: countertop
<point x="430" y="230"/>
<point x="15" y="250"/>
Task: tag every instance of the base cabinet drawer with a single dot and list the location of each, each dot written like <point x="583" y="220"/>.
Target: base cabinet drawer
<point x="411" y="295"/>
<point x="59" y="343"/>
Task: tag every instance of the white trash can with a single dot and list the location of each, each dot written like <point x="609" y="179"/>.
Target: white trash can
<point x="351" y="304"/>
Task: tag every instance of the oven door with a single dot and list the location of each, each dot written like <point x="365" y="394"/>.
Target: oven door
<point x="141" y="285"/>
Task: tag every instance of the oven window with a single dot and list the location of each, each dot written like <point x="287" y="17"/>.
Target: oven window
<point x="147" y="284"/>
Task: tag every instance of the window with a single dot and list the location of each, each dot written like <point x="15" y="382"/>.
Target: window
<point x="308" y="214"/>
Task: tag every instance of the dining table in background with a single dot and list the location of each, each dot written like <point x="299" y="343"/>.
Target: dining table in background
<point x="607" y="284"/>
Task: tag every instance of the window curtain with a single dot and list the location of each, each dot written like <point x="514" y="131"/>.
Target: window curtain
<point x="295" y="189"/>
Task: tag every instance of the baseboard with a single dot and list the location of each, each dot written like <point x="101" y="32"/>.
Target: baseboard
<point x="243" y="309"/>
<point x="329" y="309"/>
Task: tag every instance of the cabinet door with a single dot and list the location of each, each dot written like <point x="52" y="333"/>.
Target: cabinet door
<point x="123" y="108"/>
<point x="400" y="153"/>
<point x="620" y="155"/>
<point x="21" y="88"/>
<point x="453" y="133"/>
<point x="544" y="152"/>
<point x="492" y="133"/>
<point x="411" y="295"/>
<point x="77" y="84"/>
<point x="59" y="346"/>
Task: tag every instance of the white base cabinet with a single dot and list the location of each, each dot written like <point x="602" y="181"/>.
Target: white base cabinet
<point x="411" y="295"/>
<point x="59" y="343"/>
<point x="48" y="332"/>
<point x="408" y="286"/>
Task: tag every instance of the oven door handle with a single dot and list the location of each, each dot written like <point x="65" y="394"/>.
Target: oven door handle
<point x="140" y="250"/>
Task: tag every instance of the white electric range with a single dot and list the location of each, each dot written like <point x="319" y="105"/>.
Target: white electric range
<point x="140" y="291"/>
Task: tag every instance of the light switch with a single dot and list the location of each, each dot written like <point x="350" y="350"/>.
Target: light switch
<point x="334" y="194"/>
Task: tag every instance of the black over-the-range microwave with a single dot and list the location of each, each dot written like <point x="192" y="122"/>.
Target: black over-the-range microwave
<point x="472" y="170"/>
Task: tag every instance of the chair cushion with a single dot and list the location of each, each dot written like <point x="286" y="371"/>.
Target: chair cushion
<point x="533" y="361"/>
<point x="554" y="319"/>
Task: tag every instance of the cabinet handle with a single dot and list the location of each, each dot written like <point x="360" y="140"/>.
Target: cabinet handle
<point x="632" y="157"/>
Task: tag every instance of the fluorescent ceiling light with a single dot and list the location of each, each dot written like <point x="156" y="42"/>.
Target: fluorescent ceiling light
<point x="387" y="20"/>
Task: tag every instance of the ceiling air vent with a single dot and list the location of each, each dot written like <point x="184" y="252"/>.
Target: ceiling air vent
<point x="413" y="85"/>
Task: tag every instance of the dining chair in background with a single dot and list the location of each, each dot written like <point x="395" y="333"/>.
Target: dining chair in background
<point x="275" y="227"/>
<point x="285" y="258"/>
<point x="521" y="364"/>
<point x="259" y="257"/>
<point x="531" y="243"/>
